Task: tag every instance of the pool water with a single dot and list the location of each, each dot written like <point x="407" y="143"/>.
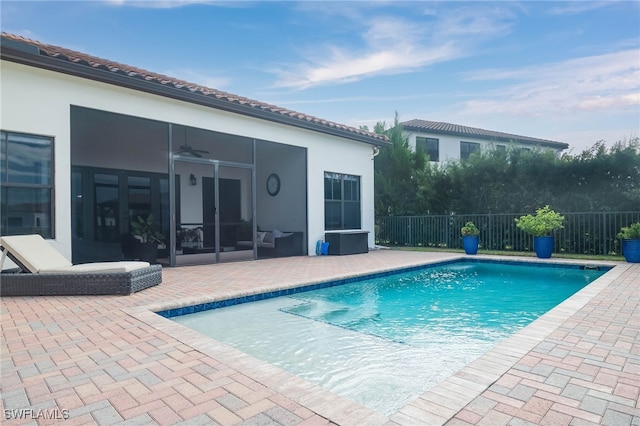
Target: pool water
<point x="384" y="341"/>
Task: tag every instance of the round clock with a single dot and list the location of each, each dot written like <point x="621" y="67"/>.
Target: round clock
<point x="273" y="184"/>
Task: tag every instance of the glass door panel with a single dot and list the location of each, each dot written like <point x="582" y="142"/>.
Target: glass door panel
<point x="235" y="213"/>
<point x="195" y="213"/>
<point x="107" y="207"/>
<point x="139" y="192"/>
<point x="77" y="206"/>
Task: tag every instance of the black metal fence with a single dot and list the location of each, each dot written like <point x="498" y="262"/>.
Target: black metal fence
<point x="583" y="233"/>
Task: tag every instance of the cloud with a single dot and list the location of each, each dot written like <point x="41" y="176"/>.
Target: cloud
<point x="198" y="77"/>
<point x="168" y="4"/>
<point x="577" y="7"/>
<point x="600" y="102"/>
<point x="341" y="67"/>
<point x="394" y="45"/>
<point x="603" y="82"/>
<point x="354" y="99"/>
<point x="478" y="21"/>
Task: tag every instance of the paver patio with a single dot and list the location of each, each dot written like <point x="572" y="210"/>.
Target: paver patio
<point x="110" y="360"/>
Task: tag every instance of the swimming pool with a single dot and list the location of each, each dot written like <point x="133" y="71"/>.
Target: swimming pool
<point x="385" y="340"/>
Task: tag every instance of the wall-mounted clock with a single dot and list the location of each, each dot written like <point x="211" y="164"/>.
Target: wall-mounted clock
<point x="273" y="184"/>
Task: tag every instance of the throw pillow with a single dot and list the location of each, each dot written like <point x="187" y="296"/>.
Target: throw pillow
<point x="268" y="238"/>
<point x="260" y="237"/>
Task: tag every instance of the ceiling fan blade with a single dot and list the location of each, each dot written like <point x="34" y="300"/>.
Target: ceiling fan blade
<point x="188" y="150"/>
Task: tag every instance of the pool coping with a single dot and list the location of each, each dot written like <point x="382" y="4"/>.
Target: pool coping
<point x="256" y="295"/>
<point x="436" y="406"/>
<point x="442" y="402"/>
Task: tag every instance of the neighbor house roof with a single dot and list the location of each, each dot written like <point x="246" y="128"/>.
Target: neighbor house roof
<point x="29" y="52"/>
<point x="441" y="128"/>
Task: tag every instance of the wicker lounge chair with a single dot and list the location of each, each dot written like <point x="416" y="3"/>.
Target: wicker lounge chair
<point x="44" y="271"/>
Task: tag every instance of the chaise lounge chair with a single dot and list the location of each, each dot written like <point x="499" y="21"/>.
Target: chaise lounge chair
<point x="45" y="272"/>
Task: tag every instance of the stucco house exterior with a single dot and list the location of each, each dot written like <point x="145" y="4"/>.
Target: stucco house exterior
<point x="89" y="145"/>
<point x="444" y="142"/>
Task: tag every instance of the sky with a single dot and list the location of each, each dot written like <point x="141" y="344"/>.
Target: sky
<point x="563" y="71"/>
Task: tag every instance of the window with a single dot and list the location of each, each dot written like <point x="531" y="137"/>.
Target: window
<point x="501" y="147"/>
<point x="341" y="201"/>
<point x="430" y="146"/>
<point x="139" y="196"/>
<point x="106" y="195"/>
<point x="468" y="148"/>
<point x="26" y="184"/>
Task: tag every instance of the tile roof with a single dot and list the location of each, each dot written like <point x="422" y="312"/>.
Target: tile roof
<point x="150" y="79"/>
<point x="457" y="130"/>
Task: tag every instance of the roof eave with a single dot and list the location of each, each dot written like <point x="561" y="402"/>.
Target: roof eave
<point x="52" y="64"/>
<point x="550" y="144"/>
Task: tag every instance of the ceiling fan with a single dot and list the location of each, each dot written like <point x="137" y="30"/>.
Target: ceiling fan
<point x="188" y="150"/>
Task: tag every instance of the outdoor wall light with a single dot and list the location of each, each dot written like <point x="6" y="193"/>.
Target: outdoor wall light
<point x="192" y="179"/>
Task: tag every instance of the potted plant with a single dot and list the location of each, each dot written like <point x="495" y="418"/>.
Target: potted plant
<point x="540" y="226"/>
<point x="470" y="239"/>
<point x="630" y="236"/>
<point x="147" y="237"/>
<point x="190" y="237"/>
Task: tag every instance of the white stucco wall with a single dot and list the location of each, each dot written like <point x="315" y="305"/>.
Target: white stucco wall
<point x="279" y="212"/>
<point x="353" y="159"/>
<point x="38" y="101"/>
<point x="450" y="145"/>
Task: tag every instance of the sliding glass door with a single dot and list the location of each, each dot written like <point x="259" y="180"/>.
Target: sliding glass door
<point x="214" y="215"/>
<point x="105" y="202"/>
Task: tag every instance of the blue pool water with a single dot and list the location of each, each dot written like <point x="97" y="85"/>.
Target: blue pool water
<point x="384" y="341"/>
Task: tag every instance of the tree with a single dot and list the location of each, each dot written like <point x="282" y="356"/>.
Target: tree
<point x="601" y="180"/>
<point x="507" y="181"/>
<point x="395" y="166"/>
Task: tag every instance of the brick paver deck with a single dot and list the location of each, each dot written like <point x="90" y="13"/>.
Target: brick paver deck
<point x="110" y="360"/>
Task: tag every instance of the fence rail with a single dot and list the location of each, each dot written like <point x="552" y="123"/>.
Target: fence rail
<point x="583" y="233"/>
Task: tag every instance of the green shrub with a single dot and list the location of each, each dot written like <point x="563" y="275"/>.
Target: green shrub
<point x="544" y="221"/>
<point x="631" y="232"/>
<point x="469" y="228"/>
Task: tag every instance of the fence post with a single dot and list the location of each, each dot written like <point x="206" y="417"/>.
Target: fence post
<point x="410" y="231"/>
<point x="489" y="233"/>
<point x="604" y="232"/>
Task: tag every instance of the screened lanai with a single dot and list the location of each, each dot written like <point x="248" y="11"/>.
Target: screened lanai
<point x="204" y="189"/>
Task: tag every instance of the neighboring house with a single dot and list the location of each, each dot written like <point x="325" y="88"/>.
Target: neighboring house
<point x="88" y="145"/>
<point x="444" y="141"/>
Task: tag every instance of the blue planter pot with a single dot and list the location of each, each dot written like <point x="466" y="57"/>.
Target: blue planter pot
<point x="631" y="250"/>
<point x="470" y="244"/>
<point x="543" y="246"/>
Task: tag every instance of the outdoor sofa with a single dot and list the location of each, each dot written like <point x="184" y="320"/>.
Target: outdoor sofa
<point x="275" y="244"/>
<point x="43" y="271"/>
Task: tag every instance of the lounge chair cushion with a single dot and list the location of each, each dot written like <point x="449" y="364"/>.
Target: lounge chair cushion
<point x="103" y="267"/>
<point x="37" y="255"/>
<point x="34" y="252"/>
